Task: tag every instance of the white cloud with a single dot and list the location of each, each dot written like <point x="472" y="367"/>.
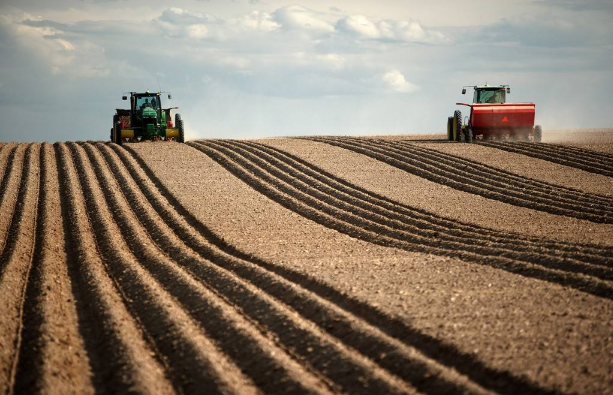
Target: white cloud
<point x="178" y="16"/>
<point x="178" y="23"/>
<point x="396" y="81"/>
<point x="360" y="27"/>
<point x="300" y="18"/>
<point x="257" y="20"/>
<point x="55" y="52"/>
<point x="577" y="30"/>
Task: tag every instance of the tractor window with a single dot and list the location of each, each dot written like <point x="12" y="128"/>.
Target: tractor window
<point x="147" y="101"/>
<point x="483" y="96"/>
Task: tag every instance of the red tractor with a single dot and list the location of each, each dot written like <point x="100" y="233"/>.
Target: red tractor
<point x="492" y="118"/>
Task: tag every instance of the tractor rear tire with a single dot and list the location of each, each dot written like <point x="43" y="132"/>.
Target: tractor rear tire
<point x="457" y="126"/>
<point x="179" y="125"/>
<point x="468" y="135"/>
<point x="118" y="139"/>
<point x="181" y="131"/>
<point x="450" y="128"/>
<point x="538" y="134"/>
<point x="115" y="120"/>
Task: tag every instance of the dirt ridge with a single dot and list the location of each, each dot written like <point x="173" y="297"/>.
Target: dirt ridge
<point x="346" y="221"/>
<point x="52" y="358"/>
<point x="422" y="218"/>
<point x="16" y="262"/>
<point x="285" y="290"/>
<point x="289" y="296"/>
<point x="110" y="284"/>
<point x="120" y="357"/>
<point x="7" y="156"/>
<point x="388" y="213"/>
<point x="580" y="158"/>
<point x="541" y="188"/>
<point x="9" y="192"/>
<point x="443" y="171"/>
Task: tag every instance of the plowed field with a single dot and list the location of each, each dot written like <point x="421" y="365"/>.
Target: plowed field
<point x="329" y="265"/>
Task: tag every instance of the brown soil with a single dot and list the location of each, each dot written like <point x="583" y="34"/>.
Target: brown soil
<point x="395" y="264"/>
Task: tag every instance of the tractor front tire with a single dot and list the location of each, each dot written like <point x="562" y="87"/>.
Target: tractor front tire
<point x="457" y="126"/>
<point x="118" y="139"/>
<point x="538" y="134"/>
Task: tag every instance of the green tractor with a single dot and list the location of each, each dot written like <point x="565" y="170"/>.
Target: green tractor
<point x="146" y="120"/>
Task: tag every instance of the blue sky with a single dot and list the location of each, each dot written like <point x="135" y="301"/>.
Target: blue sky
<point x="249" y="68"/>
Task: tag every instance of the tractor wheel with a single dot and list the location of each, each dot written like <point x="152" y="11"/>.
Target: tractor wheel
<point x="118" y="139"/>
<point x="468" y="135"/>
<point x="538" y="134"/>
<point x="457" y="126"/>
<point x="179" y="125"/>
<point x="115" y="120"/>
<point x="181" y="132"/>
<point x="450" y="128"/>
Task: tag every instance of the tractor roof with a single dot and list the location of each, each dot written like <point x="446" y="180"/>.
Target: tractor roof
<point x="490" y="87"/>
<point x="145" y="93"/>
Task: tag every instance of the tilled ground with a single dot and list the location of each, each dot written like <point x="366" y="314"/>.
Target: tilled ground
<point x="322" y="265"/>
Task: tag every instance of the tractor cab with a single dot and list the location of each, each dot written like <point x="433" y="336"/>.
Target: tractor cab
<point x="141" y="101"/>
<point x="146" y="108"/>
<point x="490" y="94"/>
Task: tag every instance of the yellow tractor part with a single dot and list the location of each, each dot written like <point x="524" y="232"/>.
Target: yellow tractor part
<point x="127" y="133"/>
<point x="172" y="133"/>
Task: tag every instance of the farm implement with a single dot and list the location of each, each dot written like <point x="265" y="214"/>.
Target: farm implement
<point x="146" y="120"/>
<point x="492" y="118"/>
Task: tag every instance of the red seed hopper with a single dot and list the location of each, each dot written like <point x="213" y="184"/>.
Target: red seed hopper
<point x="492" y="118"/>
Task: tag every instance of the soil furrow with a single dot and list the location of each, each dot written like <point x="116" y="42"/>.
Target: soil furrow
<point x="193" y="361"/>
<point x="583" y="156"/>
<point x="463" y="180"/>
<point x="52" y="356"/>
<point x="244" y="347"/>
<point x="121" y="361"/>
<point x="491" y="176"/>
<point x="586" y="153"/>
<point x="332" y="310"/>
<point x="422" y="218"/>
<point x="541" y="188"/>
<point x="541" y="151"/>
<point x="357" y="227"/>
<point x="311" y="184"/>
<point x="10" y="191"/>
<point x="447" y="177"/>
<point x="15" y="264"/>
<point x="6" y="159"/>
<point x="356" y="215"/>
<point x="302" y="343"/>
<point x="445" y="171"/>
<point x="309" y="343"/>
